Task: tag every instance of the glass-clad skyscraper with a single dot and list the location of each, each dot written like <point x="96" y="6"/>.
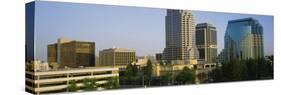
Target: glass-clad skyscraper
<point x="243" y="39"/>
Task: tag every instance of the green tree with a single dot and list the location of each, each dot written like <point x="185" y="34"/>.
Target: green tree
<point x="112" y="83"/>
<point x="166" y="78"/>
<point x="148" y="72"/>
<point x="246" y="69"/>
<point x="252" y="69"/>
<point x="186" y="76"/>
<point x="72" y="87"/>
<point x="131" y="70"/>
<point x="89" y="84"/>
<point x="233" y="71"/>
<point x="265" y="69"/>
<point x="217" y="75"/>
<point x="270" y="63"/>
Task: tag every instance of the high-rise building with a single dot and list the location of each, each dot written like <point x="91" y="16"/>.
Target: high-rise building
<point x="180" y="36"/>
<point x="243" y="39"/>
<point x="119" y="57"/>
<point x="206" y="41"/>
<point x="72" y="53"/>
<point x="29" y="31"/>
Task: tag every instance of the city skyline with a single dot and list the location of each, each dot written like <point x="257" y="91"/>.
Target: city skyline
<point x="90" y="22"/>
<point x="92" y="47"/>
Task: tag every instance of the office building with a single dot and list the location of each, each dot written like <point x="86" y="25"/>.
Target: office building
<point x="159" y="56"/>
<point x="53" y="81"/>
<point x="243" y="39"/>
<point x="206" y="42"/>
<point x="37" y="65"/>
<point x="118" y="57"/>
<point x="72" y="53"/>
<point x="222" y="56"/>
<point x="176" y="68"/>
<point x="180" y="36"/>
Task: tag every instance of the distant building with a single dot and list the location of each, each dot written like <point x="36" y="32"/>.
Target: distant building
<point x="243" y="39"/>
<point x="37" y="65"/>
<point x="97" y="61"/>
<point x="159" y="70"/>
<point x="180" y="36"/>
<point x="119" y="57"/>
<point x="177" y="66"/>
<point x="59" y="80"/>
<point x="147" y="57"/>
<point x="72" y="53"/>
<point x="206" y="41"/>
<point x="222" y="56"/>
<point x="159" y="56"/>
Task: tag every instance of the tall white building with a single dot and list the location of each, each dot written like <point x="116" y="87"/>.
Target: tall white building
<point x="180" y="36"/>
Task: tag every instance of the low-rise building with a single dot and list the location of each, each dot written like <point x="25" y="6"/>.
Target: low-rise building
<point x="117" y="57"/>
<point x="177" y="66"/>
<point x="37" y="65"/>
<point x="59" y="80"/>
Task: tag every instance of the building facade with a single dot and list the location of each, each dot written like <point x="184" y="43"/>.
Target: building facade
<point x="37" y="65"/>
<point x="175" y="68"/>
<point x="159" y="56"/>
<point x="119" y="57"/>
<point x="58" y="80"/>
<point x="71" y="53"/>
<point x="206" y="41"/>
<point x="180" y="36"/>
<point x="243" y="39"/>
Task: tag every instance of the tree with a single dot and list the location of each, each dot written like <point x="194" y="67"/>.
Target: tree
<point x="89" y="84"/>
<point x="112" y="83"/>
<point x="270" y="59"/>
<point x="148" y="72"/>
<point x="130" y="75"/>
<point x="265" y="69"/>
<point x="131" y="70"/>
<point x="270" y="63"/>
<point x="217" y="75"/>
<point x="233" y="71"/>
<point x="246" y="69"/>
<point x="252" y="69"/>
<point x="202" y="77"/>
<point x="72" y="87"/>
<point x="186" y="76"/>
<point x="166" y="78"/>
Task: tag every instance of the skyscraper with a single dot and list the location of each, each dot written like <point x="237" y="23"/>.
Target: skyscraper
<point x="180" y="36"/>
<point x="244" y="39"/>
<point x="206" y="41"/>
<point x="29" y="31"/>
<point x="72" y="53"/>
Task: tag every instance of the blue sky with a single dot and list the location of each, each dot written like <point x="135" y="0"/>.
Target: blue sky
<point x="142" y="29"/>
